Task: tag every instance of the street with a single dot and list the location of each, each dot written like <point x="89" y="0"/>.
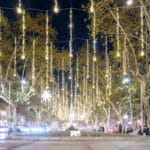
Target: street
<point x="137" y="143"/>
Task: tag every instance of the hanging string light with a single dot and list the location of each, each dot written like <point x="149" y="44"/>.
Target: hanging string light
<point x="77" y="72"/>
<point x="47" y="50"/>
<point x="51" y="62"/>
<point x="71" y="33"/>
<point x="118" y="40"/>
<point x="19" y="8"/>
<point x="142" y="31"/>
<point x="15" y="51"/>
<point x="108" y="71"/>
<point x="56" y="8"/>
<point x="125" y="58"/>
<point x="87" y="61"/>
<point x="47" y="37"/>
<point x="107" y="57"/>
<point x="71" y="55"/>
<point x="63" y="86"/>
<point x="0" y="30"/>
<point x="94" y="36"/>
<point x="23" y="35"/>
<point x="33" y="66"/>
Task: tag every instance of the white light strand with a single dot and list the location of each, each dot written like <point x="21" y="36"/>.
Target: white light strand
<point x="87" y="60"/>
<point x="47" y="38"/>
<point x="51" y="62"/>
<point x="63" y="86"/>
<point x="77" y="72"/>
<point x="93" y="80"/>
<point x="15" y="51"/>
<point x="125" y="58"/>
<point x="0" y="42"/>
<point x="110" y="83"/>
<point x="108" y="71"/>
<point x="71" y="34"/>
<point x="71" y="55"/>
<point x="33" y="66"/>
<point x="142" y="31"/>
<point x="97" y="87"/>
<point x="118" y="40"/>
<point x="94" y="35"/>
<point x="0" y="31"/>
<point x="23" y="35"/>
<point x="47" y="50"/>
<point x="94" y="47"/>
<point x="107" y="57"/>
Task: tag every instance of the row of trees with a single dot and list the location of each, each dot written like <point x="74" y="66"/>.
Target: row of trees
<point x="98" y="92"/>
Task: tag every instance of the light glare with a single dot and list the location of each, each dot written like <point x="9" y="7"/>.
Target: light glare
<point x="129" y="2"/>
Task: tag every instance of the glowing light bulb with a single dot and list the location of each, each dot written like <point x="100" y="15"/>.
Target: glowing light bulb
<point x="70" y="77"/>
<point x="87" y="77"/>
<point x="94" y="59"/>
<point x="14" y="75"/>
<point x="142" y="53"/>
<point x="46" y="58"/>
<point x="56" y="9"/>
<point x="118" y="54"/>
<point x="129" y="2"/>
<point x="92" y="6"/>
<point x="19" y="8"/>
<point x="23" y="57"/>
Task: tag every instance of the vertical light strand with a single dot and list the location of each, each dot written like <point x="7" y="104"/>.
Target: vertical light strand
<point x="110" y="82"/>
<point x="0" y="31"/>
<point x="77" y="86"/>
<point x="71" y="55"/>
<point x="84" y="90"/>
<point x="94" y="45"/>
<point x="118" y="37"/>
<point x="87" y="72"/>
<point x="58" y="93"/>
<point x="87" y="60"/>
<point x="51" y="62"/>
<point x="97" y="85"/>
<point x="0" y="42"/>
<point x="47" y="37"/>
<point x="107" y="68"/>
<point x="94" y="36"/>
<point x="47" y="50"/>
<point x="15" y="52"/>
<point x="125" y="58"/>
<point x="33" y="66"/>
<point x="63" y="86"/>
<point x="142" y="31"/>
<point x="23" y="35"/>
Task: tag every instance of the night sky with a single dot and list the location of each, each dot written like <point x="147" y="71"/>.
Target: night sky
<point x="60" y="20"/>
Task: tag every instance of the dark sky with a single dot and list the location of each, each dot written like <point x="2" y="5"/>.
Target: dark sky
<point x="61" y="20"/>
